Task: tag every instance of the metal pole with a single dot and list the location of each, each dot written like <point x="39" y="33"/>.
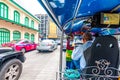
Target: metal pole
<point x="61" y="56"/>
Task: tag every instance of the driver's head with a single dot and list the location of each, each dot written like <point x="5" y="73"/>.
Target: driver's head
<point x="87" y="37"/>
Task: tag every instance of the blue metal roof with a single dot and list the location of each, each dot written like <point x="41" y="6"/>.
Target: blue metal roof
<point x="70" y="14"/>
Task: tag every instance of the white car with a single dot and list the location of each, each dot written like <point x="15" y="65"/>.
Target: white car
<point x="47" y="45"/>
<point x="64" y="45"/>
<point x="58" y="41"/>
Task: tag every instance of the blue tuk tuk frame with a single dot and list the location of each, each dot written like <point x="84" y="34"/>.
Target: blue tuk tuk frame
<point x="69" y="15"/>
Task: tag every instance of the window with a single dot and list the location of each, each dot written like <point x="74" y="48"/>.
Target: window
<point x="32" y="24"/>
<point x="39" y="17"/>
<point x="26" y="36"/>
<point x="42" y="17"/>
<point x="17" y="16"/>
<point x="26" y="41"/>
<point x="3" y="10"/>
<point x="46" y="17"/>
<point x="4" y="35"/>
<point x="42" y="25"/>
<point x="46" y="21"/>
<point x="16" y="35"/>
<point x="42" y="21"/>
<point x="32" y="37"/>
<point x="26" y="21"/>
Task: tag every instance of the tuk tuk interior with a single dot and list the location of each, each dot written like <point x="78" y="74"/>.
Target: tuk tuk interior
<point x="101" y="18"/>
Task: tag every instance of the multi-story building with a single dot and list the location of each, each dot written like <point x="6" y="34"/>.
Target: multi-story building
<point x="59" y="33"/>
<point x="47" y="28"/>
<point x="16" y="23"/>
<point x="44" y="25"/>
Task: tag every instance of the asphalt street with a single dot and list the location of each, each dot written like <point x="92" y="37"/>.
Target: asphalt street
<point x="41" y="66"/>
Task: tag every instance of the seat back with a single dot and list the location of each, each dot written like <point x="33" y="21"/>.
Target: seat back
<point x="104" y="54"/>
<point x="87" y="55"/>
<point x="105" y="47"/>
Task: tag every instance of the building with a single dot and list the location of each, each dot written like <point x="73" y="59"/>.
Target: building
<point x="44" y="25"/>
<point x="16" y="23"/>
<point x="59" y="33"/>
<point x="52" y="34"/>
<point x="47" y="28"/>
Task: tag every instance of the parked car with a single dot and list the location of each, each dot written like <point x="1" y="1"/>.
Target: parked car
<point x="58" y="41"/>
<point x="9" y="44"/>
<point x="64" y="45"/>
<point x="47" y="45"/>
<point x="24" y="45"/>
<point x="10" y="64"/>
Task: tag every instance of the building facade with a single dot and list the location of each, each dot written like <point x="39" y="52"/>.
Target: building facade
<point x="59" y="33"/>
<point x="44" y="25"/>
<point x="52" y="30"/>
<point x="47" y="28"/>
<point x="16" y="23"/>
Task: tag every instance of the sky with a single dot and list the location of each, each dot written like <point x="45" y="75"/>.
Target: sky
<point x="32" y="6"/>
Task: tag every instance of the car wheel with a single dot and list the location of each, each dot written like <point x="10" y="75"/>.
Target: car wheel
<point x="39" y="50"/>
<point x="23" y="50"/>
<point x="52" y="50"/>
<point x="11" y="70"/>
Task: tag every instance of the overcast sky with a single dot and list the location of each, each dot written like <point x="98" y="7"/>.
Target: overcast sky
<point x="32" y="6"/>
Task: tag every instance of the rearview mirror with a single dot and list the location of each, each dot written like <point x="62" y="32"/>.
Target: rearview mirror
<point x="111" y="20"/>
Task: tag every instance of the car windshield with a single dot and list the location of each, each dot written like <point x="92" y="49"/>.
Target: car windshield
<point x="21" y="41"/>
<point x="18" y="41"/>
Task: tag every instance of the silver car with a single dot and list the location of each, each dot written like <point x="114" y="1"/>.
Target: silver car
<point x="47" y="45"/>
<point x="64" y="45"/>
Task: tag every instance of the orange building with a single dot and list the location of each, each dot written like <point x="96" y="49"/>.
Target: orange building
<point x="47" y="28"/>
<point x="52" y="33"/>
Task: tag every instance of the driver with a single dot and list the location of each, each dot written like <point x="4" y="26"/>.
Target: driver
<point x="87" y="40"/>
<point x="78" y="61"/>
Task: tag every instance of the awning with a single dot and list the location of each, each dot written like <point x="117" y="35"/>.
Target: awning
<point x="69" y="14"/>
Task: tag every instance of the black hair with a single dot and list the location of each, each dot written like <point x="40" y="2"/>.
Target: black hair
<point x="87" y="36"/>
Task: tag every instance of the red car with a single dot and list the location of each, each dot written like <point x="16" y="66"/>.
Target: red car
<point x="24" y="45"/>
<point x="8" y="44"/>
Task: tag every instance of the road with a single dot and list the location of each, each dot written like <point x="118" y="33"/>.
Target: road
<point x="41" y="66"/>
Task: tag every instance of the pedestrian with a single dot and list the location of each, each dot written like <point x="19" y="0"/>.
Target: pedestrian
<point x="69" y="50"/>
